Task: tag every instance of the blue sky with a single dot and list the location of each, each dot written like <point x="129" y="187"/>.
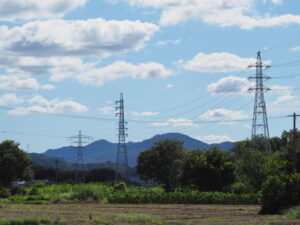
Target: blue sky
<point x="180" y="64"/>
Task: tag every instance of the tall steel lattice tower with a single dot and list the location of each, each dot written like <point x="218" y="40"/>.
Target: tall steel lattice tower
<point x="79" y="162"/>
<point x="260" y="127"/>
<point x="122" y="159"/>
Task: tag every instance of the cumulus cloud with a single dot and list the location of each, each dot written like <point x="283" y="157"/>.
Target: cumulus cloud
<point x="140" y="114"/>
<point x="13" y="82"/>
<point x="43" y="105"/>
<point x="221" y="62"/>
<point x="93" y="37"/>
<point x="34" y="49"/>
<point x="181" y="122"/>
<point x="296" y="49"/>
<point x="107" y="110"/>
<point x="223" y="115"/>
<point x="121" y="69"/>
<point x="223" y="13"/>
<point x="230" y="85"/>
<point x="284" y="99"/>
<point x="169" y="86"/>
<point x="11" y="10"/>
<point x="10" y="99"/>
<point x="168" y="42"/>
<point x="215" y="139"/>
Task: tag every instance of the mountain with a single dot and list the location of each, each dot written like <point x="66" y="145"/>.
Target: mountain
<point x="102" y="151"/>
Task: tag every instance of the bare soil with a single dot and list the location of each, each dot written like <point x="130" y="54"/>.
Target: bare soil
<point x="65" y="214"/>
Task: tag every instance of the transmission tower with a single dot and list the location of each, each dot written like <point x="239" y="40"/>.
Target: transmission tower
<point x="122" y="159"/>
<point x="79" y="140"/>
<point x="260" y="128"/>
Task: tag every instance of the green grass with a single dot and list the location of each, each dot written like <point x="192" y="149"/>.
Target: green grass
<point x="103" y="193"/>
<point x="111" y="218"/>
<point x="24" y="221"/>
<point x="292" y="213"/>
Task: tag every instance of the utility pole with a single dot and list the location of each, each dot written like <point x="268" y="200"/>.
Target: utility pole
<point x="260" y="127"/>
<point x="294" y="140"/>
<point x="122" y="159"/>
<point x="79" y="162"/>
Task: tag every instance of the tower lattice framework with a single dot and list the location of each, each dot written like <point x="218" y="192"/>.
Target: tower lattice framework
<point x="79" y="140"/>
<point x="122" y="158"/>
<point x="260" y="127"/>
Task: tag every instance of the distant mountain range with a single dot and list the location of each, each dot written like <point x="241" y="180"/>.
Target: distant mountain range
<point x="103" y="151"/>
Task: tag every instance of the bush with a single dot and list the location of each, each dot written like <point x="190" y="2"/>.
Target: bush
<point x="120" y="187"/>
<point x="280" y="193"/>
<point x="4" y="192"/>
<point x="240" y="188"/>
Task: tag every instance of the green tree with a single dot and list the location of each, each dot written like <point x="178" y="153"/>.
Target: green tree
<point x="252" y="166"/>
<point x="15" y="164"/>
<point x="163" y="163"/>
<point x="100" y="175"/>
<point x="210" y="170"/>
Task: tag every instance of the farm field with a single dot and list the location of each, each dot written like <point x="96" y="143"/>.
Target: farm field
<point x="92" y="213"/>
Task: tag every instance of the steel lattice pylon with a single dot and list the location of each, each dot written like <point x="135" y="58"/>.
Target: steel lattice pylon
<point x="79" y="162"/>
<point x="260" y="127"/>
<point x="122" y="159"/>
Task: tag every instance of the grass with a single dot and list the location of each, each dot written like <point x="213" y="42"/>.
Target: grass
<point x="113" y="218"/>
<point x="25" y="221"/>
<point x="102" y="193"/>
<point x="292" y="213"/>
<point x="95" y="213"/>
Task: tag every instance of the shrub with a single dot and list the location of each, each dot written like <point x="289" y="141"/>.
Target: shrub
<point x="240" y="188"/>
<point x="4" y="192"/>
<point x="279" y="193"/>
<point x="120" y="187"/>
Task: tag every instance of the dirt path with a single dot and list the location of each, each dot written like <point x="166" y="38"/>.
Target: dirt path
<point x="144" y="214"/>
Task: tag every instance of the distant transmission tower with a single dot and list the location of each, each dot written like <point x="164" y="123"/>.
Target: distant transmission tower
<point x="79" y="163"/>
<point x="122" y="159"/>
<point x="260" y="128"/>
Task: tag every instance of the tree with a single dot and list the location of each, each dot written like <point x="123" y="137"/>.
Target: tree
<point x="15" y="164"/>
<point x="163" y="163"/>
<point x="100" y="175"/>
<point x="210" y="170"/>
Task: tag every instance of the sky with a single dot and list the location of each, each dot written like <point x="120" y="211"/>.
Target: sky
<point x="182" y="66"/>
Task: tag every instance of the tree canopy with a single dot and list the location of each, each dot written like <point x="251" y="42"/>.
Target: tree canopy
<point x="15" y="164"/>
<point x="163" y="163"/>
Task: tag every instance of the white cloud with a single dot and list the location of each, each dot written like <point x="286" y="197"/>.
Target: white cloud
<point x="42" y="105"/>
<point x="13" y="82"/>
<point x="107" y="110"/>
<point x="168" y="42"/>
<point x="284" y="99"/>
<point x="284" y="107"/>
<point x="144" y="113"/>
<point x="230" y="85"/>
<point x="69" y="105"/>
<point x="39" y="100"/>
<point x="11" y="10"/>
<point x="221" y="62"/>
<point x="281" y="89"/>
<point x="296" y="49"/>
<point x="93" y="37"/>
<point x="223" y="115"/>
<point x="181" y="122"/>
<point x="223" y="13"/>
<point x="10" y="99"/>
<point x="121" y="69"/>
<point x="169" y="86"/>
<point x="215" y="139"/>
<point x="59" y="48"/>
